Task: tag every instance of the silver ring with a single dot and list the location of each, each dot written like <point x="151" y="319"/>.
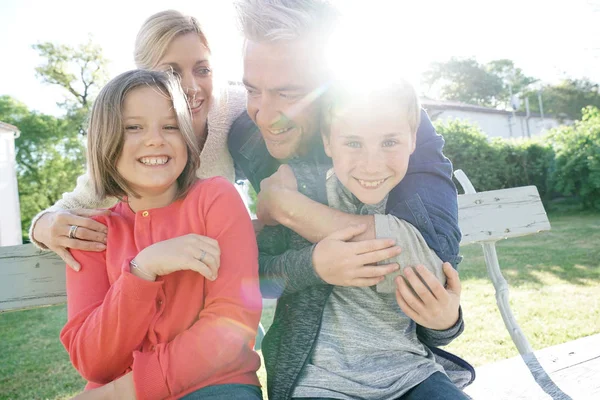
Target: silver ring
<point x="202" y="256"/>
<point x="72" y="231"/>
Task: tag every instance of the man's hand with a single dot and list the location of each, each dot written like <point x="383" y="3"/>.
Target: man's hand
<point x="436" y="308"/>
<point x="338" y="261"/>
<point x="52" y="229"/>
<point x="272" y="191"/>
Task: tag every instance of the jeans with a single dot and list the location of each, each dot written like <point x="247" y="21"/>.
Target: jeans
<point x="226" y="392"/>
<point x="437" y="387"/>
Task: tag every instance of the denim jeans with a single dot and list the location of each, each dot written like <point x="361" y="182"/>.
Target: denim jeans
<point x="437" y="387"/>
<point x="226" y="392"/>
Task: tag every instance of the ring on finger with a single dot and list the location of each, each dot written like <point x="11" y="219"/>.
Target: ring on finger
<point x="201" y="259"/>
<point x="72" y="231"/>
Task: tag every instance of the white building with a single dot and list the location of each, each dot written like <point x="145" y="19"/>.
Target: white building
<point x="10" y="212"/>
<point x="493" y="122"/>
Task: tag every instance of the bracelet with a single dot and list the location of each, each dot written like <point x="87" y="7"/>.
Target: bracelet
<point x="133" y="264"/>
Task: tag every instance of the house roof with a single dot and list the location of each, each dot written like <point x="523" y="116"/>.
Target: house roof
<point x="440" y="105"/>
<point x="6" y="128"/>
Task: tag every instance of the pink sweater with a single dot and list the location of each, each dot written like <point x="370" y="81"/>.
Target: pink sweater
<point x="181" y="332"/>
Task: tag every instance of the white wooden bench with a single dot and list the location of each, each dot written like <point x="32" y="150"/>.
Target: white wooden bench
<point x="29" y="278"/>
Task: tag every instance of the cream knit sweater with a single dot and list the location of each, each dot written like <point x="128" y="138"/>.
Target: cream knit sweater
<point x="215" y="159"/>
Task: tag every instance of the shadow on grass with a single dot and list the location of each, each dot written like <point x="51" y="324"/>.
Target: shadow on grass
<point x="570" y="252"/>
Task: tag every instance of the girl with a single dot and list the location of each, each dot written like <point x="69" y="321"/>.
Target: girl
<point x="155" y="315"/>
<point x="167" y="41"/>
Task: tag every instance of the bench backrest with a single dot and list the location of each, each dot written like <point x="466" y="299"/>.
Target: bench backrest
<point x="30" y="278"/>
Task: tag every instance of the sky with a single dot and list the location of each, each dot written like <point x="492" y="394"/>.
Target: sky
<point x="549" y="40"/>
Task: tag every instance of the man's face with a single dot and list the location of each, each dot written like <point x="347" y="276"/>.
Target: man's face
<point x="370" y="147"/>
<point x="282" y="80"/>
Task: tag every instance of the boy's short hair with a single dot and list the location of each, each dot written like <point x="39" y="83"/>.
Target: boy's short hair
<point x="106" y="131"/>
<point x="340" y="97"/>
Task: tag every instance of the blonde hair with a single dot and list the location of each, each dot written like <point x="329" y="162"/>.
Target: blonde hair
<point x="340" y="96"/>
<point x="157" y="33"/>
<point x="106" y="131"/>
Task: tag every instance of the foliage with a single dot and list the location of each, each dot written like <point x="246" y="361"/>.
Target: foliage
<point x="566" y="99"/>
<point x="50" y="155"/>
<point x="490" y="85"/>
<point x="578" y="158"/>
<point x="464" y="80"/>
<point x="497" y="164"/>
<point x="80" y="70"/>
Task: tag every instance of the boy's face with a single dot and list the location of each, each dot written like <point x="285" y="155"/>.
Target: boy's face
<point x="370" y="147"/>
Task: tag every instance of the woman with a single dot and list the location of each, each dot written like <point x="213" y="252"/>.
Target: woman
<point x="167" y="41"/>
<point x="147" y="318"/>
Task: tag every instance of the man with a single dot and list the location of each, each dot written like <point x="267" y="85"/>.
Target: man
<point x="284" y="73"/>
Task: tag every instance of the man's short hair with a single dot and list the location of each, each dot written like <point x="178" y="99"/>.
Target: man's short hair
<point x="276" y="20"/>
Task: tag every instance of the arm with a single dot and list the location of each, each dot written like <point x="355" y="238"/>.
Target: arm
<point x="222" y="337"/>
<point x="435" y="338"/>
<point x="416" y="252"/>
<point x="106" y="323"/>
<point x="281" y="269"/>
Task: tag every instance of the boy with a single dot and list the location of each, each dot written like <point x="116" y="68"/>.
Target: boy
<point x="366" y="346"/>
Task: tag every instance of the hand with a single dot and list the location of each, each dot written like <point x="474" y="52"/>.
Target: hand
<point x="52" y="229"/>
<point x="120" y="389"/>
<point x="343" y="263"/>
<point x="272" y="192"/>
<point x="189" y="252"/>
<point x="435" y="307"/>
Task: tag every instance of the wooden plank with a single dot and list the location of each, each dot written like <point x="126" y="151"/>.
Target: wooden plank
<point x="501" y="214"/>
<point x="30" y="278"/>
<point x="573" y="366"/>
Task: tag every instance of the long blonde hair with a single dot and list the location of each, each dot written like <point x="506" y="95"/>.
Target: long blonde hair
<point x="157" y="33"/>
<point x="106" y="132"/>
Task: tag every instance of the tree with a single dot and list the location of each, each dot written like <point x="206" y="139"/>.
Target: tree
<point x="50" y="156"/>
<point x="80" y="70"/>
<point x="513" y="79"/>
<point x="464" y="80"/>
<point x="50" y="152"/>
<point x="567" y="98"/>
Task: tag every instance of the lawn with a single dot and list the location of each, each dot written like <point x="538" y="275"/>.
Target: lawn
<point x="554" y="279"/>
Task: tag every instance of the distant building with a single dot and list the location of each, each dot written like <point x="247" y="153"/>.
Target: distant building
<point x="10" y="212"/>
<point x="493" y="122"/>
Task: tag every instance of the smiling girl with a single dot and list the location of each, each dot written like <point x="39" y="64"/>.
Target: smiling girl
<point x="147" y="317"/>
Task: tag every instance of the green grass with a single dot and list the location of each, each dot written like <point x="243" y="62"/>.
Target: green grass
<point x="554" y="280"/>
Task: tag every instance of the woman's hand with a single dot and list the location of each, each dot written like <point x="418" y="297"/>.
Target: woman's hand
<point x="53" y="228"/>
<point x="189" y="252"/>
<point x="436" y="308"/>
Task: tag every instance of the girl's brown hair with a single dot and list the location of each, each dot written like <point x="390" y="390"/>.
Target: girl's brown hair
<point x="106" y="132"/>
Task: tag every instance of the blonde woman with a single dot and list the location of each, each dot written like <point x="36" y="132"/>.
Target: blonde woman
<point x="147" y="318"/>
<point x="167" y="41"/>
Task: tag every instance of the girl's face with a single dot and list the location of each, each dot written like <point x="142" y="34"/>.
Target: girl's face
<point x="190" y="60"/>
<point x="154" y="152"/>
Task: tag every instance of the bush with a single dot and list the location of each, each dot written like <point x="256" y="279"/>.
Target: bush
<point x="578" y="158"/>
<point x="497" y="164"/>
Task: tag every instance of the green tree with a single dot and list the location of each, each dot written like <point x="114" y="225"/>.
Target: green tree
<point x="50" y="156"/>
<point x="566" y="99"/>
<point x="80" y="70"/>
<point x="513" y="79"/>
<point x="464" y="80"/>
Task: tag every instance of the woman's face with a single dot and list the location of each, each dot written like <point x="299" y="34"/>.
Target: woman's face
<point x="190" y="60"/>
